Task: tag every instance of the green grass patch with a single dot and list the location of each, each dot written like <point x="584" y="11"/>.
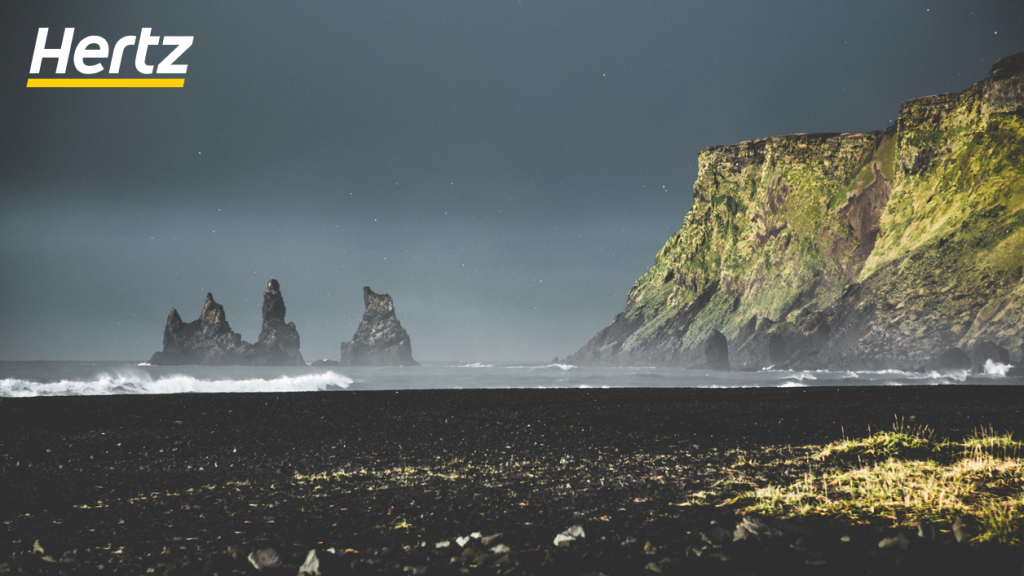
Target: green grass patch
<point x="907" y="476"/>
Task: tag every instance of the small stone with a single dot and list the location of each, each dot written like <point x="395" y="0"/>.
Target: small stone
<point x="844" y="539"/>
<point x="740" y="533"/>
<point x="265" y="558"/>
<point x="487" y="540"/>
<point x="569" y="535"/>
<point x="898" y="540"/>
<point x="653" y="567"/>
<point x="926" y="531"/>
<point x="960" y="530"/>
<point x="500" y="549"/>
<point x="311" y="566"/>
<point x="716" y="535"/>
<point x="759" y="527"/>
<point x="720" y="555"/>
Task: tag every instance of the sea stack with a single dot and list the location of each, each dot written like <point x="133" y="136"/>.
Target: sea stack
<point x="210" y="341"/>
<point x="278" y="344"/>
<point x="380" y="339"/>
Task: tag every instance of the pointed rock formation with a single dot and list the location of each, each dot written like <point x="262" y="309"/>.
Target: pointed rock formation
<point x="380" y="339"/>
<point x="210" y="341"/>
<point x="278" y="344"/>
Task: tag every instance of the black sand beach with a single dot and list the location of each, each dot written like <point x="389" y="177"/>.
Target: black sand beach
<point x="189" y="484"/>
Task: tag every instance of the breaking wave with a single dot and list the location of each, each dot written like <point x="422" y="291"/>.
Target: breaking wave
<point x="130" y="382"/>
<point x="993" y="368"/>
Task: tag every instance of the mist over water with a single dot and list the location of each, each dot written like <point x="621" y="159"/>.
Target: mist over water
<point x="29" y="379"/>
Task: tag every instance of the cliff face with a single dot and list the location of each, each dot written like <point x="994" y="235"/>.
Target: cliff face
<point x="380" y="339"/>
<point x="846" y="250"/>
<point x="210" y="341"/>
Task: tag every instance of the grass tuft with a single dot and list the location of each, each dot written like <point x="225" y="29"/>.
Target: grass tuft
<point x="909" y="478"/>
<point x="914" y="442"/>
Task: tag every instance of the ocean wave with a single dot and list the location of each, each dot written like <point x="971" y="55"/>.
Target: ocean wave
<point x="477" y="365"/>
<point x="792" y="385"/>
<point x="142" y="383"/>
<point x="993" y="368"/>
<point x="541" y="367"/>
<point x="805" y="375"/>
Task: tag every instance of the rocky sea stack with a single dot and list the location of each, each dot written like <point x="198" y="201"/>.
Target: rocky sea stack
<point x="278" y="344"/>
<point x="380" y="339"/>
<point x="847" y="251"/>
<point x="210" y="341"/>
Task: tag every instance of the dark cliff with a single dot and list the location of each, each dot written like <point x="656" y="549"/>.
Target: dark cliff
<point x="868" y="250"/>
<point x="380" y="339"/>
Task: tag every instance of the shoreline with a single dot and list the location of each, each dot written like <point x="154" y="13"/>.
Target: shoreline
<point x="367" y="470"/>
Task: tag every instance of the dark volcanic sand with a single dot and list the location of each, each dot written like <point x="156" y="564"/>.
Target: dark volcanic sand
<point x="193" y="483"/>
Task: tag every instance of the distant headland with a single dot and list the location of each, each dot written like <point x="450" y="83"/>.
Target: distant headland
<point x="902" y="248"/>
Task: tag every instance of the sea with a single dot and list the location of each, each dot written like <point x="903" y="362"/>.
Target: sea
<point x="49" y="378"/>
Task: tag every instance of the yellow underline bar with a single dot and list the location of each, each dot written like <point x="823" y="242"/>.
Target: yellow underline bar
<point x="106" y="83"/>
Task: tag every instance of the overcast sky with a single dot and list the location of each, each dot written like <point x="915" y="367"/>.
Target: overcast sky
<point x="506" y="170"/>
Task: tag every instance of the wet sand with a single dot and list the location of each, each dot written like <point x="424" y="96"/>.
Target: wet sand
<point x="194" y="483"/>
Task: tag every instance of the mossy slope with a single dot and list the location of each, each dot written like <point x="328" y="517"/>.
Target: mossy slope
<point x="879" y="248"/>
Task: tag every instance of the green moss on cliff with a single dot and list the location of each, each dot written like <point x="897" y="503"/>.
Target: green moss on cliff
<point x="926" y="217"/>
<point x="767" y="226"/>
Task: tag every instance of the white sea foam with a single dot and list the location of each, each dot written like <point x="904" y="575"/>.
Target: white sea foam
<point x="804" y="376"/>
<point x="993" y="368"/>
<point x="130" y="382"/>
<point x="477" y="365"/>
<point x="792" y="385"/>
<point x="540" y="367"/>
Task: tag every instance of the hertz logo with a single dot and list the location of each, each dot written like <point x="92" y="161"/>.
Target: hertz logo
<point x="92" y="52"/>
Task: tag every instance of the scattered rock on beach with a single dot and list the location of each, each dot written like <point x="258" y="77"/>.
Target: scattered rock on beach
<point x="569" y="535"/>
<point x="265" y="558"/>
<point x="898" y="541"/>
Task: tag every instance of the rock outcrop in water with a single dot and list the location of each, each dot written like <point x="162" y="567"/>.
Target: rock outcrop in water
<point x="380" y="339"/>
<point x="278" y="344"/>
<point x="866" y="251"/>
<point x="210" y="341"/>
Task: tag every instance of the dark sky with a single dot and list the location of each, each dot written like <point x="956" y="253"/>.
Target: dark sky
<point x="505" y="170"/>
